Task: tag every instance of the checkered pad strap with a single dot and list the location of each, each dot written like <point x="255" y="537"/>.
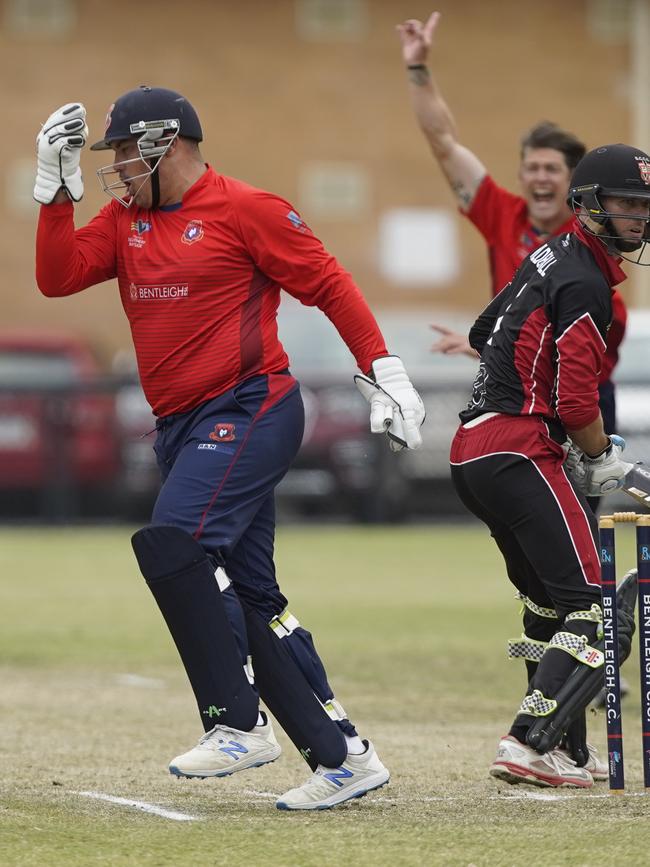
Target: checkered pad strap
<point x="594" y="615"/>
<point x="526" y="648"/>
<point x="537" y="609"/>
<point x="537" y="705"/>
<point x="577" y="647"/>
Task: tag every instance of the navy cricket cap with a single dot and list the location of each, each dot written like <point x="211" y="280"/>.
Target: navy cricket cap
<point x="147" y="105"/>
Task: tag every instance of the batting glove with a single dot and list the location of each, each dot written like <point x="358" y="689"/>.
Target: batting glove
<point x="396" y="408"/>
<point x="58" y="150"/>
<point x="603" y="473"/>
<point x="573" y="456"/>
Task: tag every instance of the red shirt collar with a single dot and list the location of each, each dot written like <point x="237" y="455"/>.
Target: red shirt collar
<point x="608" y="264"/>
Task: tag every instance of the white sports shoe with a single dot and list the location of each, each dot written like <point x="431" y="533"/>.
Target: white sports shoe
<point x="595" y="765"/>
<point x="223" y="750"/>
<point x="328" y="787"/>
<point x="518" y="763"/>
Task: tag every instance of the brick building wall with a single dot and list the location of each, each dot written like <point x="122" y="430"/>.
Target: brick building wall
<point x="276" y="101"/>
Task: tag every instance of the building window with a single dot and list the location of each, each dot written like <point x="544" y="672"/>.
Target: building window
<point x="609" y="20"/>
<point x="418" y="247"/>
<point x="40" y="18"/>
<point x="332" y="20"/>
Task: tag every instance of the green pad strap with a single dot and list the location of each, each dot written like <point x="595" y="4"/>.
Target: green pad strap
<point x="537" y="705"/>
<point x="284" y="624"/>
<point x="577" y="647"/>
<point x="526" y="648"/>
<point x="537" y="609"/>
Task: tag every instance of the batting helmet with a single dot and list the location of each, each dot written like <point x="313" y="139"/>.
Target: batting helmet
<point x="612" y="170"/>
<point x="147" y="108"/>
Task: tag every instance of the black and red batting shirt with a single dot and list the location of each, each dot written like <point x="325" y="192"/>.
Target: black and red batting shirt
<point x="200" y="284"/>
<point x="542" y="339"/>
<point x="502" y="218"/>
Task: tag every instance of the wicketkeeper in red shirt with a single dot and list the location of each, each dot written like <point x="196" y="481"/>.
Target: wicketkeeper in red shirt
<point x="200" y="260"/>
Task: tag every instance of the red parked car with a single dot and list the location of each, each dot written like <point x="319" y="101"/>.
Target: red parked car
<point x="57" y="420"/>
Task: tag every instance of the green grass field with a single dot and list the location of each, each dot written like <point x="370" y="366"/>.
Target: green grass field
<point x="412" y="624"/>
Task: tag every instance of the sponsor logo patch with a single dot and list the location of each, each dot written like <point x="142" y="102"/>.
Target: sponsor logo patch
<point x="159" y="293"/>
<point x="223" y="433"/>
<point x="136" y="241"/>
<point x="210" y="446"/>
<point x="141" y="226"/>
<point x="193" y="232"/>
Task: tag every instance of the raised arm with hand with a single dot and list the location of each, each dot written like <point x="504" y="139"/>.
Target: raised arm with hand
<point x="462" y="168"/>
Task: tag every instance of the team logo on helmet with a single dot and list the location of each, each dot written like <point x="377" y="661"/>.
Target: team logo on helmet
<point x="644" y="168"/>
<point x="193" y="232"/>
<point x="223" y="433"/>
<point x="109" y="117"/>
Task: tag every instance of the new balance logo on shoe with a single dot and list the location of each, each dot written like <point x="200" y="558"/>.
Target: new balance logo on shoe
<point x="233" y="749"/>
<point x="338" y="776"/>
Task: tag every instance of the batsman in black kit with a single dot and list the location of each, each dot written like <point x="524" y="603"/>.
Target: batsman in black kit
<point x="535" y="401"/>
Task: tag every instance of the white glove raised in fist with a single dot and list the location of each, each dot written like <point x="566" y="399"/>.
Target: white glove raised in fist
<point x="602" y="474"/>
<point x="58" y="150"/>
<point x="396" y="408"/>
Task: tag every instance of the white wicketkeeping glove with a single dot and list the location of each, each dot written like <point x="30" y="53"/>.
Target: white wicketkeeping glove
<point x="58" y="150"/>
<point x="601" y="474"/>
<point x="396" y="408"/>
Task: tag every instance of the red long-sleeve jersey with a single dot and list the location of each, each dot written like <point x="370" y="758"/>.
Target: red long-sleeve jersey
<point x="502" y="218"/>
<point x="200" y="284"/>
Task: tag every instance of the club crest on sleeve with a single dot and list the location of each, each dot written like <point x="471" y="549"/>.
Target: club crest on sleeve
<point x="223" y="433"/>
<point x="297" y="221"/>
<point x="193" y="232"/>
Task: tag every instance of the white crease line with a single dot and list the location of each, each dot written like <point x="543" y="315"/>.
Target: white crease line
<point x="519" y="796"/>
<point x="260" y="794"/>
<point x="141" y="805"/>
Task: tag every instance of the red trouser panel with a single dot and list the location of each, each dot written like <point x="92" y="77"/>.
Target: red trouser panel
<point x="508" y="471"/>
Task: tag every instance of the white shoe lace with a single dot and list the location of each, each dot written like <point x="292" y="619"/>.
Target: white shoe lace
<point x="219" y="735"/>
<point x="317" y="786"/>
<point x="560" y="762"/>
<point x="592" y="753"/>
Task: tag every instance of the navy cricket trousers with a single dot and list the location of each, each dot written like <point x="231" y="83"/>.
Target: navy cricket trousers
<point x="220" y="464"/>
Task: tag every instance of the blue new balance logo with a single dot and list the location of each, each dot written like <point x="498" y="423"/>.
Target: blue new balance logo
<point x="338" y="775"/>
<point x="233" y="749"/>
